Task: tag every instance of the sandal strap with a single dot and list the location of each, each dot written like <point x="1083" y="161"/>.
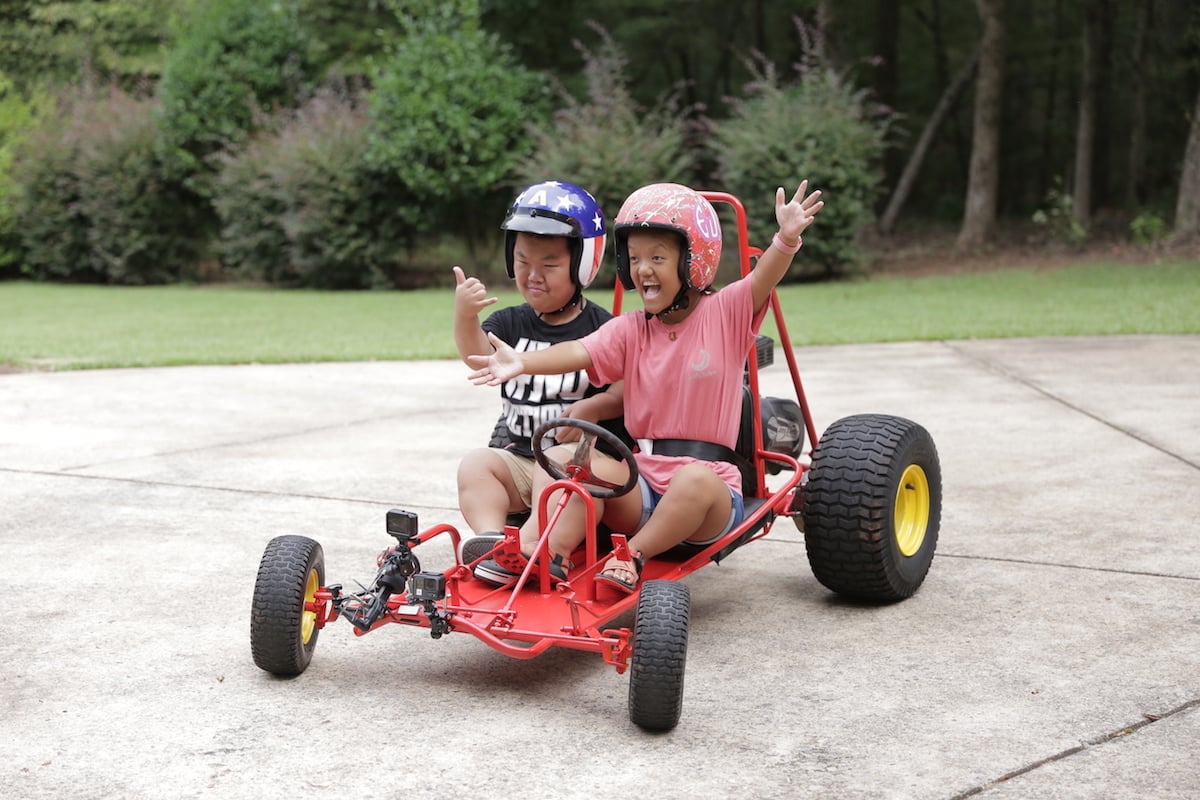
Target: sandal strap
<point x="637" y="560"/>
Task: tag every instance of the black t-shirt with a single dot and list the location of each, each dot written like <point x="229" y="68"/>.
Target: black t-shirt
<point x="529" y="400"/>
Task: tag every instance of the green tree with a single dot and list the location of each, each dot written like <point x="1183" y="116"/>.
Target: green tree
<point x="690" y="49"/>
<point x="299" y="206"/>
<point x="233" y="62"/>
<point x="820" y="128"/>
<point x="345" y="36"/>
<point x="448" y="112"/>
<point x="117" y="41"/>
<point x="16" y="117"/>
<point x="589" y="142"/>
<point x="92" y="204"/>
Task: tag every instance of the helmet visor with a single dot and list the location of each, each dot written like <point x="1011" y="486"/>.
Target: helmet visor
<point x="541" y="221"/>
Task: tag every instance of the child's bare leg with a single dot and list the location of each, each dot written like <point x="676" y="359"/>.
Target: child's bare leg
<point x="695" y="506"/>
<point x="486" y="492"/>
<point x="571" y="528"/>
<point x="570" y="524"/>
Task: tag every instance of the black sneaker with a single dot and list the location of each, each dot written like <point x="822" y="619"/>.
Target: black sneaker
<point x="490" y="571"/>
<point x="478" y="546"/>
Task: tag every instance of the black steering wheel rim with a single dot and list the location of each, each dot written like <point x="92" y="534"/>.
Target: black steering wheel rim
<point x="602" y="491"/>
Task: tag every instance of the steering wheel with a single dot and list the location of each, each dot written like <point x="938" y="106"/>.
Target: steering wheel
<point x="579" y="468"/>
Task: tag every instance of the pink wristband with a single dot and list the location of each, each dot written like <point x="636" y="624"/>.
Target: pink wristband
<point x="790" y="249"/>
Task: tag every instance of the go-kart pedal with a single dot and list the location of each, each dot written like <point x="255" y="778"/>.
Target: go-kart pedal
<point x="505" y="568"/>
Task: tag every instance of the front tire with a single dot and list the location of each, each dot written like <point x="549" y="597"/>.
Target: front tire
<point x="660" y="636"/>
<point x="872" y="506"/>
<point x="283" y="628"/>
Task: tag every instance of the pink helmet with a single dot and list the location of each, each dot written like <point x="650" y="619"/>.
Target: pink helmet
<point x="670" y="206"/>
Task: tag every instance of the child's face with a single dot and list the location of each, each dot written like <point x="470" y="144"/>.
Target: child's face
<point x="542" y="267"/>
<point x="654" y="266"/>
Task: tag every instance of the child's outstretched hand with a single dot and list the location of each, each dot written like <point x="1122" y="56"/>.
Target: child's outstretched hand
<point x="795" y="215"/>
<point x="496" y="368"/>
<point x="470" y="295"/>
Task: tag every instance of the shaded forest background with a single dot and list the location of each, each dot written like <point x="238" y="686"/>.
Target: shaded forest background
<point x="356" y="143"/>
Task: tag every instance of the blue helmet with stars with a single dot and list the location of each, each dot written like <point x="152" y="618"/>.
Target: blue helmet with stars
<point x="558" y="208"/>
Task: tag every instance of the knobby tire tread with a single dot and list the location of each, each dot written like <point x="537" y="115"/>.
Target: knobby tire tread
<point x="660" y="640"/>
<point x="848" y="504"/>
<point x="276" y="640"/>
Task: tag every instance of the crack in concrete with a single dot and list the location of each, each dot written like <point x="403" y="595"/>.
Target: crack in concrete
<point x="246" y="442"/>
<point x="234" y="490"/>
<point x="1103" y="739"/>
<point x="1001" y="369"/>
<point x="1080" y="567"/>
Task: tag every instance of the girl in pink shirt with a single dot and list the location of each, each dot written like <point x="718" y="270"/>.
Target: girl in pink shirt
<point x="681" y="360"/>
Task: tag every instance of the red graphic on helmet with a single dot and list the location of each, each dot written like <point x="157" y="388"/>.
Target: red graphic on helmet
<point x="671" y="206"/>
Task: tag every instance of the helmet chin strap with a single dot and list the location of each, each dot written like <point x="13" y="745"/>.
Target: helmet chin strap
<point x="681" y="301"/>
<point x="575" y="298"/>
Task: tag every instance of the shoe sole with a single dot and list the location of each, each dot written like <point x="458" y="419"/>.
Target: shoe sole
<point x="493" y="573"/>
<point x="478" y="547"/>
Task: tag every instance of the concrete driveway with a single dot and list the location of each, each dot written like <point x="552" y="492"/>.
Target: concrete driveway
<point x="1053" y="651"/>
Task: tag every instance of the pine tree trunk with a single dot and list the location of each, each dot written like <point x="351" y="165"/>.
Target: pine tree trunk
<point x="1108" y="108"/>
<point x="1135" y="183"/>
<point x="887" y="76"/>
<point x="908" y="177"/>
<point x="1085" y="125"/>
<point x="979" y="220"/>
<point x="1187" y="207"/>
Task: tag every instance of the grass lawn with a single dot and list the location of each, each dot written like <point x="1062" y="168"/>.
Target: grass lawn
<point x="46" y="326"/>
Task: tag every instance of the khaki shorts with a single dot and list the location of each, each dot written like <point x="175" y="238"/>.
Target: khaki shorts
<point x="521" y="468"/>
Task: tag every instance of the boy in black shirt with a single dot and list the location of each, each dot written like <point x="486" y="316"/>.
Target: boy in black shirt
<point x="554" y="245"/>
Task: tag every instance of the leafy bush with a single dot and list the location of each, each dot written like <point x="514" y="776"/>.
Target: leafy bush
<point x="447" y="117"/>
<point x="592" y="143"/>
<point x="92" y="204"/>
<point x="345" y="36"/>
<point x="232" y="62"/>
<point x="47" y="210"/>
<point x="819" y="128"/>
<point x="1058" y="216"/>
<point x="299" y="206"/>
<point x="16" y="116"/>
<point x="1148" y="227"/>
<point x="55" y="42"/>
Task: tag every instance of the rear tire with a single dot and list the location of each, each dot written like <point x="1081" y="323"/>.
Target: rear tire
<point x="872" y="506"/>
<point x="660" y="636"/>
<point x="283" y="633"/>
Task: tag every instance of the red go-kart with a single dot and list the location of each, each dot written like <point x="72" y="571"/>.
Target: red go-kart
<point x="866" y="495"/>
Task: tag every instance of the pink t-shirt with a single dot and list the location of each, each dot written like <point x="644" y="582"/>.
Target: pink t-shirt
<point x="681" y="381"/>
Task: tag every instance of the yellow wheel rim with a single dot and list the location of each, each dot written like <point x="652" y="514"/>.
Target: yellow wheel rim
<point x="308" y="619"/>
<point x="911" y="515"/>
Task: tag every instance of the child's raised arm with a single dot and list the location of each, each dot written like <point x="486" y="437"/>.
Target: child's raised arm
<point x="506" y="363"/>
<point x="794" y="216"/>
<point x="470" y="298"/>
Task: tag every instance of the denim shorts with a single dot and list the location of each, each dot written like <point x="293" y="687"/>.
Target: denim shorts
<point x="650" y="498"/>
